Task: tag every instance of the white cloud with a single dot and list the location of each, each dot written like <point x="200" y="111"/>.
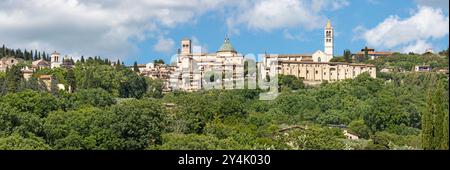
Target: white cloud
<point x="420" y="46"/>
<point x="93" y="27"/>
<point x="289" y="36"/>
<point x="113" y="28"/>
<point x="395" y="33"/>
<point x="203" y="48"/>
<point x="434" y="3"/>
<point x="267" y="15"/>
<point x="165" y="45"/>
<point x="318" y="5"/>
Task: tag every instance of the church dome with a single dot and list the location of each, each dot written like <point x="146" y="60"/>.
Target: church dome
<point x="227" y="47"/>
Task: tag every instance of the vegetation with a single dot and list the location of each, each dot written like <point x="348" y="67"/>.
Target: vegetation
<point x="112" y="107"/>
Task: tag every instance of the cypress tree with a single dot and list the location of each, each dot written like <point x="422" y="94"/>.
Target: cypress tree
<point x="366" y="53"/>
<point x="3" y="50"/>
<point x="135" y="67"/>
<point x="435" y="120"/>
<point x="70" y="77"/>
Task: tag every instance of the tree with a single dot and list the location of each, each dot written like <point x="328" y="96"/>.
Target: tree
<point x="359" y="127"/>
<point x="347" y="56"/>
<point x="93" y="97"/>
<point x="33" y="84"/>
<point x="135" y="67"/>
<point x="444" y="52"/>
<point x="132" y="85"/>
<point x="337" y="59"/>
<point x="138" y="122"/>
<point x="155" y="88"/>
<point x="17" y="142"/>
<point x="39" y="103"/>
<point x="158" y="61"/>
<point x="366" y="53"/>
<point x="82" y="59"/>
<point x="435" y="120"/>
<point x="290" y="81"/>
<point x="314" y="138"/>
<point x="71" y="80"/>
<point x="13" y="78"/>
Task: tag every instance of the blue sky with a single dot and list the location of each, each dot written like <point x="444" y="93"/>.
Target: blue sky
<point x="146" y="30"/>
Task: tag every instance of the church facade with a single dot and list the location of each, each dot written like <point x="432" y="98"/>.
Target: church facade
<point x="196" y="70"/>
<point x="314" y="68"/>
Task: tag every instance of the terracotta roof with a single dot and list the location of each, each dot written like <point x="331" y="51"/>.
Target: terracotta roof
<point x="45" y="76"/>
<point x="329" y="63"/>
<point x="288" y="55"/>
<point x="376" y="53"/>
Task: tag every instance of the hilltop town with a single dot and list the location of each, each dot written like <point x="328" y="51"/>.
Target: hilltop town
<point x="364" y="100"/>
<point x="193" y="70"/>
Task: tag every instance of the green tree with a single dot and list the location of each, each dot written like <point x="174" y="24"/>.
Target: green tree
<point x="155" y="88"/>
<point x="435" y="120"/>
<point x="39" y="103"/>
<point x="359" y="127"/>
<point x="13" y="78"/>
<point x="290" y="81"/>
<point x="17" y="142"/>
<point x="158" y="61"/>
<point x="347" y="56"/>
<point x="135" y="67"/>
<point x="71" y="80"/>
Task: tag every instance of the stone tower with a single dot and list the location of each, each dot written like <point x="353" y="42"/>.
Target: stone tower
<point x="55" y="60"/>
<point x="186" y="46"/>
<point x="329" y="41"/>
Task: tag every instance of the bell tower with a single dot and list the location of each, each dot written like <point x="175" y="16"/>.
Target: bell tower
<point x="55" y="60"/>
<point x="329" y="41"/>
<point x="186" y="46"/>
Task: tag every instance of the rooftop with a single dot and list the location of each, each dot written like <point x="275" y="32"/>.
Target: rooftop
<point x="227" y="47"/>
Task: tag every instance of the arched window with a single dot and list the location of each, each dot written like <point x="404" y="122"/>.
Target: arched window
<point x="319" y="59"/>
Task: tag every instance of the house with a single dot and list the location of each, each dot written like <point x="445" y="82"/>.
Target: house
<point x="48" y="80"/>
<point x="443" y="71"/>
<point x="39" y="64"/>
<point x="372" y="54"/>
<point x="8" y="62"/>
<point x="350" y="135"/>
<point x="422" y="68"/>
<point x="67" y="63"/>
<point x="27" y="73"/>
<point x="390" y="69"/>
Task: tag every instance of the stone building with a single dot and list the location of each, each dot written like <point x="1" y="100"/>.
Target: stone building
<point x="196" y="70"/>
<point x="8" y="62"/>
<point x="55" y="60"/>
<point x="39" y="64"/>
<point x="317" y="72"/>
<point x="313" y="68"/>
<point x="157" y="71"/>
<point x="372" y="54"/>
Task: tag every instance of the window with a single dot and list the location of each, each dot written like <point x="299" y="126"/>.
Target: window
<point x="317" y="72"/>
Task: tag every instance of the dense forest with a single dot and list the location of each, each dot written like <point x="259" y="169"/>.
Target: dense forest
<point x="111" y="107"/>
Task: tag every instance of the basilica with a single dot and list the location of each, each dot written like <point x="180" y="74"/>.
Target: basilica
<point x="224" y="69"/>
<point x="196" y="70"/>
